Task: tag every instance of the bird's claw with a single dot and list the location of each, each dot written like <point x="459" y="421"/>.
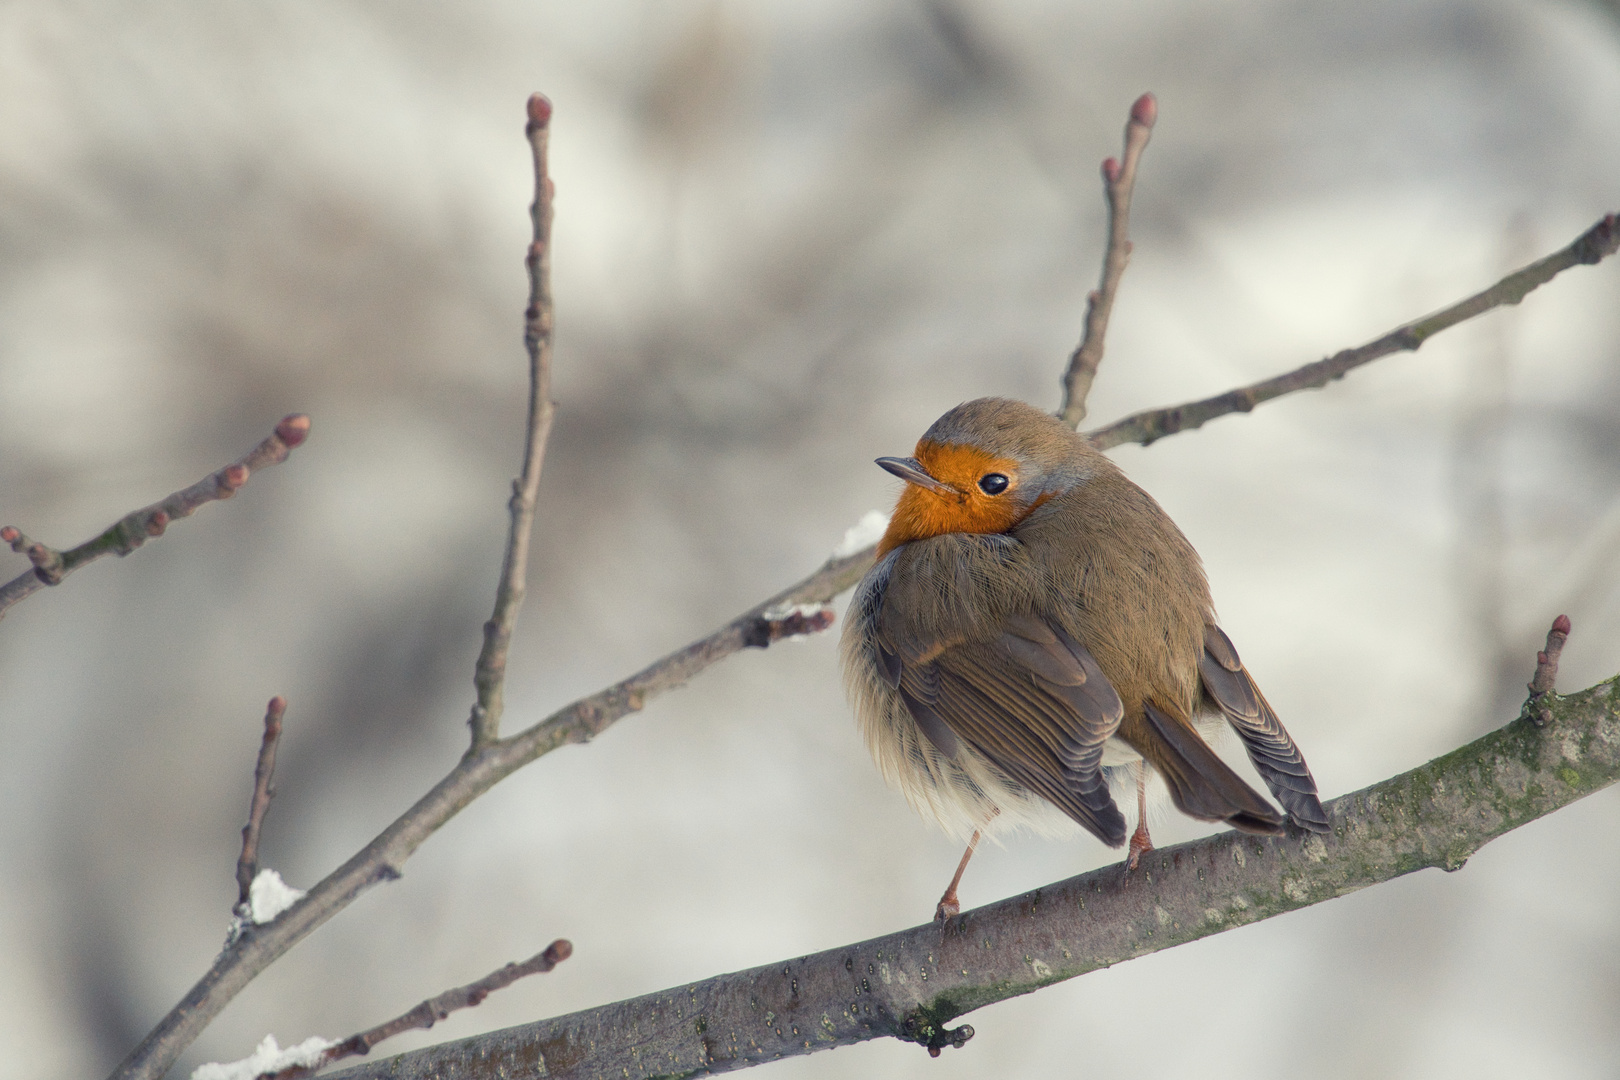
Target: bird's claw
<point x="1141" y="844"/>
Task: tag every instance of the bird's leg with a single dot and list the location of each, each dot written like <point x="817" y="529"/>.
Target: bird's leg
<point x="1141" y="843"/>
<point x="949" y="907"/>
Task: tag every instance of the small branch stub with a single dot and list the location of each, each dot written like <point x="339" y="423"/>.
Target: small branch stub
<point x="786" y="624"/>
<point x="1537" y="708"/>
<point x="935" y="1038"/>
<point x="264" y="771"/>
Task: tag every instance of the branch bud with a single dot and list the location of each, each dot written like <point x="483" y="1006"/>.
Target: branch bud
<point x="293" y="429"/>
<point x="1146" y="110"/>
<point x="539" y="111"/>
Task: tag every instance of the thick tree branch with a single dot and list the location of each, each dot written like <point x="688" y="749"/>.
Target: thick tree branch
<point x="133" y="530"/>
<point x="911" y="985"/>
<point x="264" y="772"/>
<point x="1592" y="246"/>
<point x="489" y="676"/>
<point x="1119" y="180"/>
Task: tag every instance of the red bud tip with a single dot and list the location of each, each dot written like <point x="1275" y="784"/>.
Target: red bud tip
<point x="539" y="110"/>
<point x="1561" y="625"/>
<point x="9" y="534"/>
<point x="234" y="476"/>
<point x="1145" y="111"/>
<point x="157" y="523"/>
<point x="1110" y="170"/>
<point x="277" y="706"/>
<point x="293" y="429"/>
<point x="560" y="950"/>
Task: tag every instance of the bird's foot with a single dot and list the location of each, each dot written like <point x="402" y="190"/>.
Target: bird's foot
<point x="1141" y="844"/>
<point x="947" y="909"/>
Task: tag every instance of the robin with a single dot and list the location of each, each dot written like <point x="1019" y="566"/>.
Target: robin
<point x="1036" y="623"/>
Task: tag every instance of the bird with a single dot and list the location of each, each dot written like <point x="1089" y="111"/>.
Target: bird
<point x="1035" y="624"/>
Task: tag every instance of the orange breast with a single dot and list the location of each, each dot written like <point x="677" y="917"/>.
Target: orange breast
<point x="921" y="513"/>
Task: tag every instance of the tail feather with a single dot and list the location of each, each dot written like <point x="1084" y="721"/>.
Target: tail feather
<point x="1228" y="685"/>
<point x="1201" y="784"/>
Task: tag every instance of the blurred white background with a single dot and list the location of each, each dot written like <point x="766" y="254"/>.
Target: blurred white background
<point x="788" y="236"/>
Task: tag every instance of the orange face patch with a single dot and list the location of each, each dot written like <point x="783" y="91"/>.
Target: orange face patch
<point x="921" y="513"/>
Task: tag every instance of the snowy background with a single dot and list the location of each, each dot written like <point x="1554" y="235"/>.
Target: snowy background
<point x="788" y="236"/>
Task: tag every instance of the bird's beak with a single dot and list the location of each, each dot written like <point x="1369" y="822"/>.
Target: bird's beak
<point x="909" y="470"/>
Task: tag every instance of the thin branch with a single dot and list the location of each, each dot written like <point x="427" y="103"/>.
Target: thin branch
<point x="1537" y="708"/>
<point x="1119" y="180"/>
<point x="489" y="676"/>
<point x="264" y="771"/>
<point x="133" y="530"/>
<point x="1592" y="246"/>
<point x="910" y="985"/>
<point x="434" y="1009"/>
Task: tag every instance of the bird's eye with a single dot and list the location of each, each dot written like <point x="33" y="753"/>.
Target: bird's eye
<point x="993" y="483"/>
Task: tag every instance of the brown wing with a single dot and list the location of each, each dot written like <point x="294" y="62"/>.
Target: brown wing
<point x="1032" y="701"/>
<point x="1273" y="752"/>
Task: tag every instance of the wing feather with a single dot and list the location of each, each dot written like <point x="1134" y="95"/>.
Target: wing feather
<point x="1032" y="701"/>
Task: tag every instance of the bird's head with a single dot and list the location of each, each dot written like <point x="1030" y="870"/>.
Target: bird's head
<point x="982" y="468"/>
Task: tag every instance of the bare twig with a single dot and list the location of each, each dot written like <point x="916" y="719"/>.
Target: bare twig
<point x="434" y="1009"/>
<point x="1119" y="180"/>
<point x="1538" y="706"/>
<point x="1592" y="246"/>
<point x="264" y="771"/>
<point x="133" y="530"/>
<point x="910" y="985"/>
<point x="490" y="674"/>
